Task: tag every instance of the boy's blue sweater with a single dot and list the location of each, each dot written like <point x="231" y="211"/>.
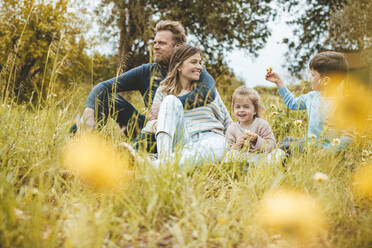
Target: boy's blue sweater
<point x="317" y="108"/>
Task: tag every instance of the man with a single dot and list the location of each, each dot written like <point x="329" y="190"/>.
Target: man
<point x="103" y="100"/>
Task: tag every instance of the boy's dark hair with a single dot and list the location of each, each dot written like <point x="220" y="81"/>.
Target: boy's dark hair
<point x="329" y="63"/>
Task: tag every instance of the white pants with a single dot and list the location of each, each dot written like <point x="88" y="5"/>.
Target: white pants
<point x="172" y="137"/>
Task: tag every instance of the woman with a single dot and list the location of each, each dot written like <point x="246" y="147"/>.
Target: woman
<point x="198" y="134"/>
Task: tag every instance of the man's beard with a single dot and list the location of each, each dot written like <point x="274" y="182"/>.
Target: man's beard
<point x="163" y="61"/>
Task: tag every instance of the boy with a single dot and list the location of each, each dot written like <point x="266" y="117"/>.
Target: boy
<point x="328" y="70"/>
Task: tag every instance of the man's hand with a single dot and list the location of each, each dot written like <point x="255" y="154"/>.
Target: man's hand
<point x="154" y="111"/>
<point x="274" y="78"/>
<point x="87" y="119"/>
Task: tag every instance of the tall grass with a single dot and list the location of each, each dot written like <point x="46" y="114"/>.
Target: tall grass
<point x="213" y="205"/>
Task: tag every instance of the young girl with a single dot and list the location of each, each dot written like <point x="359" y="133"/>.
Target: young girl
<point x="250" y="134"/>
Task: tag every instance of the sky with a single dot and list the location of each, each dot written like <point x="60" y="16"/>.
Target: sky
<point x="252" y="70"/>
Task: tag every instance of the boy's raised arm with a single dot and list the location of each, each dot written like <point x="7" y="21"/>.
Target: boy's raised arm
<point x="288" y="98"/>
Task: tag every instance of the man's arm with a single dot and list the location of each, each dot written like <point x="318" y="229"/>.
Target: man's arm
<point x="204" y="94"/>
<point x="130" y="80"/>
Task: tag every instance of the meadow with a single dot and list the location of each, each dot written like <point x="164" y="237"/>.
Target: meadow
<point x="214" y="205"/>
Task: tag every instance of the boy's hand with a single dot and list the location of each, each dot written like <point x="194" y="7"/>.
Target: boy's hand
<point x="274" y="78"/>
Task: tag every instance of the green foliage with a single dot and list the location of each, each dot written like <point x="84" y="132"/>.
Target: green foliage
<point x="311" y="30"/>
<point x="218" y="26"/>
<point x="41" y="45"/>
<point x="352" y="29"/>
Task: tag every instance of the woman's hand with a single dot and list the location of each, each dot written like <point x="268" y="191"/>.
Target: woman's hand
<point x="155" y="126"/>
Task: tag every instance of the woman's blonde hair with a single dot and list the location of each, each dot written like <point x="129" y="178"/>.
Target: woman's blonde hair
<point x="252" y="95"/>
<point x="171" y="82"/>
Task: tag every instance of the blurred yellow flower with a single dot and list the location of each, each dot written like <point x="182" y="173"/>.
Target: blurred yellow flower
<point x="221" y="221"/>
<point x="352" y="109"/>
<point x="363" y="182"/>
<point x="291" y="214"/>
<point x="273" y="106"/>
<point x="335" y="142"/>
<point x="96" y="161"/>
<point x="312" y="136"/>
<point x="298" y="123"/>
<point x="366" y="153"/>
<point x="274" y="113"/>
<point x="320" y="177"/>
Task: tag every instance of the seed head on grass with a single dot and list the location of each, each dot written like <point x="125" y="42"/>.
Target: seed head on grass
<point x="95" y="161"/>
<point x="294" y="215"/>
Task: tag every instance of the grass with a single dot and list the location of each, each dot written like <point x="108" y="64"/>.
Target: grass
<point x="214" y="205"/>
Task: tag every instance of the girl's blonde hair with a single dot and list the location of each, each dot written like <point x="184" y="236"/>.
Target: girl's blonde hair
<point x="171" y="82"/>
<point x="252" y="95"/>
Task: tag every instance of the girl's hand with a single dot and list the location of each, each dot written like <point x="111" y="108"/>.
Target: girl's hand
<point x="253" y="137"/>
<point x="274" y="78"/>
<point x="241" y="141"/>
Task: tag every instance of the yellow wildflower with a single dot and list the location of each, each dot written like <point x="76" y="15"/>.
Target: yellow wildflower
<point x="365" y="153"/>
<point x="363" y="182"/>
<point x="352" y="109"/>
<point x="335" y="142"/>
<point x="291" y="214"/>
<point x="96" y="161"/>
<point x="221" y="221"/>
<point x="320" y="177"/>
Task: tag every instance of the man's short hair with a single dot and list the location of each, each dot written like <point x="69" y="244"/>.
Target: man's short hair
<point x="329" y="63"/>
<point x="175" y="27"/>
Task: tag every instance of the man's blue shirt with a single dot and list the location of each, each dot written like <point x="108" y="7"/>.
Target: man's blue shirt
<point x="146" y="79"/>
